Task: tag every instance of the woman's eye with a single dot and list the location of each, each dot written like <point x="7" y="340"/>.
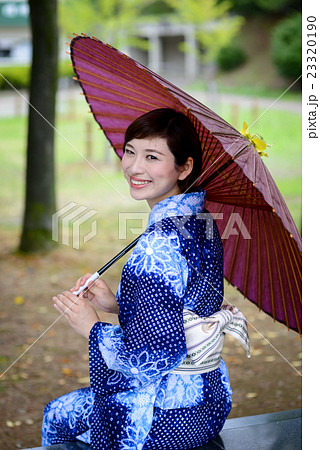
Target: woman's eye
<point x="128" y="151"/>
<point x="151" y="157"/>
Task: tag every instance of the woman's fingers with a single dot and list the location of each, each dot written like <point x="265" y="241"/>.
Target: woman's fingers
<point x="65" y="302"/>
<point x="80" y="314"/>
<point x="56" y="304"/>
<point x="77" y="285"/>
<point x="80" y="282"/>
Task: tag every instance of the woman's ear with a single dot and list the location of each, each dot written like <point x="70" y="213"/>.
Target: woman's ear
<point x="186" y="169"/>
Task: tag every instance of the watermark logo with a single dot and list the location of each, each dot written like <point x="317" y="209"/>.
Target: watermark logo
<point x="69" y="220"/>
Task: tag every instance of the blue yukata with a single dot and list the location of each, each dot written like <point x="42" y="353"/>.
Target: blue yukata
<point x="136" y="401"/>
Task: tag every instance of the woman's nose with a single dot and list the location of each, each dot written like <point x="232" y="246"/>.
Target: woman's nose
<point x="136" y="166"/>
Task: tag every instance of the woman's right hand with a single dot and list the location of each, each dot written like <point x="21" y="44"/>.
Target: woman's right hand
<point x="98" y="293"/>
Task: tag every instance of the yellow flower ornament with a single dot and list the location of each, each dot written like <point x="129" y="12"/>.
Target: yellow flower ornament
<point x="257" y="140"/>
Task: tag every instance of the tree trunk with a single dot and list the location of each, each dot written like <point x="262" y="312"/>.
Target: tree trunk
<point x="40" y="186"/>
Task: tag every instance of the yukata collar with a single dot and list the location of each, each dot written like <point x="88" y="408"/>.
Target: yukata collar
<point x="178" y="205"/>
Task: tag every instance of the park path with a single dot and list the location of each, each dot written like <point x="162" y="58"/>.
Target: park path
<point x="12" y="104"/>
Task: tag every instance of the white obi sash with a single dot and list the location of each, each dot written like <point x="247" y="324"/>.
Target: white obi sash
<point x="205" y="337"/>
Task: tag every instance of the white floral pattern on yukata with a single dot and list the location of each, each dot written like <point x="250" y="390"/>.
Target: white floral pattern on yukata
<point x="161" y="255"/>
<point x="67" y="417"/>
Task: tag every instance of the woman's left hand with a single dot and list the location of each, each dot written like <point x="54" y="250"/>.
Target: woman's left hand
<point x="78" y="311"/>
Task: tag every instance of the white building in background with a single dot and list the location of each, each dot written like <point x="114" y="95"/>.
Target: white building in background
<point x="165" y="55"/>
<point x="15" y="34"/>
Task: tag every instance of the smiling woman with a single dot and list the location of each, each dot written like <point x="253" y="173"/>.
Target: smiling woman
<point x="146" y="390"/>
<point x="179" y="137"/>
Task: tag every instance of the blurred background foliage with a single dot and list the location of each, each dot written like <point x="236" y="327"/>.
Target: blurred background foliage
<point x="251" y="34"/>
<point x="286" y="46"/>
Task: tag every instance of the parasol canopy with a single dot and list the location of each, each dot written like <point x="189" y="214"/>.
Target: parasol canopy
<point x="262" y="246"/>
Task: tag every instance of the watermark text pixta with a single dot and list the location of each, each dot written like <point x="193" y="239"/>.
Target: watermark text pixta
<point x="136" y="223"/>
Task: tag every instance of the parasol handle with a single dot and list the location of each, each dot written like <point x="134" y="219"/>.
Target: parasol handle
<point x="97" y="274"/>
<point x="93" y="277"/>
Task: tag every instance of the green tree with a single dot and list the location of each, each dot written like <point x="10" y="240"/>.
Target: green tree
<point x="269" y="7"/>
<point x="40" y="186"/>
<point x="157" y="7"/>
<point x="214" y="27"/>
<point x="278" y="6"/>
<point x="112" y="20"/>
<point x="116" y="20"/>
<point x="286" y="46"/>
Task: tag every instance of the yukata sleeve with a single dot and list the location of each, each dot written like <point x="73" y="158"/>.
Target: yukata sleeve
<point x="152" y="342"/>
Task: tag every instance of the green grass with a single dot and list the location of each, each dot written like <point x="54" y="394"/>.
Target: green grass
<point x="248" y="90"/>
<point x="100" y="184"/>
<point x="260" y="91"/>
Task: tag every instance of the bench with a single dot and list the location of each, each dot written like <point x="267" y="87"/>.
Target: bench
<point x="279" y="430"/>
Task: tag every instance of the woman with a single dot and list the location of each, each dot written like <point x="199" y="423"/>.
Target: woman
<point x="138" y="399"/>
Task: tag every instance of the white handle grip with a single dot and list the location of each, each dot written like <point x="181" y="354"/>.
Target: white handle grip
<point x="93" y="277"/>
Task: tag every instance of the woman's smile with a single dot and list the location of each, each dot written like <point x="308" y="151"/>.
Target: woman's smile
<point x="150" y="170"/>
<point x="138" y="183"/>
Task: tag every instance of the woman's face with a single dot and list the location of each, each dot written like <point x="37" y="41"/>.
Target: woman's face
<point x="148" y="166"/>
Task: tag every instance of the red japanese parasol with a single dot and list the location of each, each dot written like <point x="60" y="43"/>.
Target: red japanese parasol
<point x="263" y="258"/>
